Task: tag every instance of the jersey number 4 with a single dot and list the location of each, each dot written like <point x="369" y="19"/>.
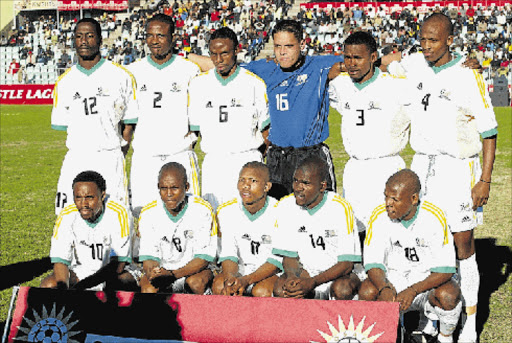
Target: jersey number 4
<point x="424" y="101"/>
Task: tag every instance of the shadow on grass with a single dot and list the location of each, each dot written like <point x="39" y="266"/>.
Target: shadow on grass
<point x="494" y="264"/>
<point x="17" y="273"/>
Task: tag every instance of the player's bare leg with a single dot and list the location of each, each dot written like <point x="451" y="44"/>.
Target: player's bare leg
<point x="346" y="287"/>
<point x="368" y="291"/>
<point x="265" y="287"/>
<point x="469" y="282"/>
<point x="146" y="286"/>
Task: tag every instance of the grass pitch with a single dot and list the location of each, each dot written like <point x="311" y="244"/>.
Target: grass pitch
<point x="31" y="155"/>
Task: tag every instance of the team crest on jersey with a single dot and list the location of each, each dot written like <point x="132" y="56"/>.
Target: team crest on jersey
<point x="301" y="79"/>
<point x="246" y="236"/>
<point x="330" y="233"/>
<point x="102" y="92"/>
<point x="420" y="86"/>
<point x="236" y="103"/>
<point x="175" y="87"/>
<point x="209" y="104"/>
<point x="445" y="95"/>
<point x="77" y="96"/>
<point x="302" y="229"/>
<point x="420" y="242"/>
<point x="266" y="239"/>
<point x="373" y="106"/>
<point x="143" y="88"/>
<point x="284" y="83"/>
<point x="188" y="233"/>
<point x="347" y="106"/>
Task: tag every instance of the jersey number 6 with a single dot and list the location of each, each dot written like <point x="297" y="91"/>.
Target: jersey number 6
<point x="223" y="114"/>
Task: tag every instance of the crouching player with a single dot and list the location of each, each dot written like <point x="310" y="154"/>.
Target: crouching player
<point x="247" y="226"/>
<point x="178" y="237"/>
<point x="409" y="256"/>
<point x="316" y="238"/>
<point x="91" y="240"/>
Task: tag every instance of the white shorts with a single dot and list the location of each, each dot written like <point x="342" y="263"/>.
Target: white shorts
<point x="220" y="174"/>
<point x="110" y="164"/>
<point x="364" y="182"/>
<point x="447" y="183"/>
<point x="144" y="176"/>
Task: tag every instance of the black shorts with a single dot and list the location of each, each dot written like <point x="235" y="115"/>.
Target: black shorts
<point x="282" y="163"/>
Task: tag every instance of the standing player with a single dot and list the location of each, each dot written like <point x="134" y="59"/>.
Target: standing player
<point x="452" y="114"/>
<point x="297" y="86"/>
<point x="178" y="237"/>
<point x="247" y="225"/>
<point x="90" y="102"/>
<point x="409" y="255"/>
<point x="91" y="240"/>
<point x="162" y="124"/>
<point x="375" y="125"/>
<point x="316" y="238"/>
<point x="229" y="107"/>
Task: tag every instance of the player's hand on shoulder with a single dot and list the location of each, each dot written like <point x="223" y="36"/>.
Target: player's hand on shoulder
<point x="336" y="69"/>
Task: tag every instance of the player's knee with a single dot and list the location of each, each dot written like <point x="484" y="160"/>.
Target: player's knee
<point x="343" y="289"/>
<point x="146" y="286"/>
<point x="261" y="291"/>
<point x="448" y="295"/>
<point x="49" y="282"/>
<point x="278" y="288"/>
<point x="367" y="291"/>
<point x="196" y="284"/>
<point x="218" y="285"/>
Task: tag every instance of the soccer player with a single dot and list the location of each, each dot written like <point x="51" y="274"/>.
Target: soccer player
<point x="452" y="114"/>
<point x="409" y="256"/>
<point x="91" y="241"/>
<point x="162" y="125"/>
<point x="297" y="86"/>
<point x="247" y="226"/>
<point x="178" y="237"/>
<point x="315" y="236"/>
<point x="90" y="102"/>
<point x="229" y="106"/>
<point x="375" y="125"/>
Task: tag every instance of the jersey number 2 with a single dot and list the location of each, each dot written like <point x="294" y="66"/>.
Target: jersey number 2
<point x="157" y="99"/>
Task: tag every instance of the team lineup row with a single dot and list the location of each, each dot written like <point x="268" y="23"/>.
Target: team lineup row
<point x="278" y="110"/>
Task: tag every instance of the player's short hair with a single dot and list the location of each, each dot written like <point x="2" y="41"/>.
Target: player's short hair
<point x="94" y="23"/>
<point x="442" y="18"/>
<point x="406" y="177"/>
<point x="259" y="166"/>
<point x="315" y="163"/>
<point x="292" y="26"/>
<point x="91" y="176"/>
<point x="163" y="19"/>
<point x="227" y="33"/>
<point x="362" y="38"/>
<point x="182" y="172"/>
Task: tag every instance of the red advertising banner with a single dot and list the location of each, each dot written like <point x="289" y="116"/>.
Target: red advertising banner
<point x="398" y="6"/>
<point x="75" y="5"/>
<point x="26" y="94"/>
<point x="46" y="315"/>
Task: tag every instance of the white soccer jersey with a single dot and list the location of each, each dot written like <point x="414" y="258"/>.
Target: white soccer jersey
<point x="320" y="237"/>
<point x="375" y="119"/>
<point x="230" y="113"/>
<point x="175" y="241"/>
<point x="90" y="105"/>
<point x="453" y="111"/>
<point x="162" y="121"/>
<point x="246" y="238"/>
<point x="85" y="247"/>
<point x="409" y="251"/>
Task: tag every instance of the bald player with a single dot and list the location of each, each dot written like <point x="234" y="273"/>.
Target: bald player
<point x="409" y="255"/>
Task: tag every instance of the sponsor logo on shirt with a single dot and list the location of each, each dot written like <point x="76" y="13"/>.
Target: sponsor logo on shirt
<point x="347" y="106"/>
<point x="165" y="239"/>
<point x="77" y="96"/>
<point x="143" y="88"/>
<point x="175" y="87"/>
<point x="397" y="244"/>
<point x="302" y="229"/>
<point x="466" y="219"/>
<point x="246" y="236"/>
<point x="209" y="104"/>
<point x="284" y="83"/>
<point x="420" y="86"/>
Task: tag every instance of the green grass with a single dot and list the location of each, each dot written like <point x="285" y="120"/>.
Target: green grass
<point x="31" y="155"/>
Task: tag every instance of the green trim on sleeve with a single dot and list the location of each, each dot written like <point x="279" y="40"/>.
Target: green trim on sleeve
<point x="148" y="257"/>
<point x="195" y="128"/>
<point x="265" y="124"/>
<point x="285" y="253"/>
<point x="349" y="258"/>
<point x="231" y="258"/>
<point x="126" y="259"/>
<point x="205" y="257"/>
<point x="489" y="133"/>
<point x="60" y="127"/>
<point x="60" y="260"/>
<point x="375" y="265"/>
<point x="445" y="270"/>
<point x="276" y="263"/>
<point x="131" y="121"/>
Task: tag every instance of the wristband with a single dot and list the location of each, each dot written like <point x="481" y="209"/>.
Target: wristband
<point x="482" y="180"/>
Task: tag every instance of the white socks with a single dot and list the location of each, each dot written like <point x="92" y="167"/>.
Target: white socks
<point x="469" y="284"/>
<point x="448" y="320"/>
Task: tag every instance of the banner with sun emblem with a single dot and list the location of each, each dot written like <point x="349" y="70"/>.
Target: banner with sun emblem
<point x="44" y="315"/>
